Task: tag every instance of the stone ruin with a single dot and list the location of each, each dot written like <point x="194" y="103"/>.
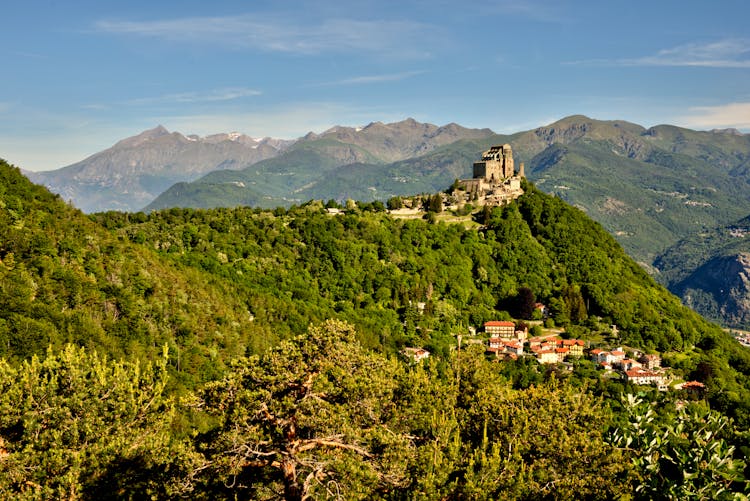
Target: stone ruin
<point x="495" y="181"/>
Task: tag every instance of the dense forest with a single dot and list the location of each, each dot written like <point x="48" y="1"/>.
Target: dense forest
<point x="253" y="354"/>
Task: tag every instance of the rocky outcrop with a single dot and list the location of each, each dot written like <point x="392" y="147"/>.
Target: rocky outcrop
<point x="720" y="289"/>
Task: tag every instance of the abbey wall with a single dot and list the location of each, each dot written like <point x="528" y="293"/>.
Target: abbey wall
<point x="495" y="180"/>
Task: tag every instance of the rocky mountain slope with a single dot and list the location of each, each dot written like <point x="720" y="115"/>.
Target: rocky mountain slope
<point x="131" y="173"/>
<point x="649" y="187"/>
<point x="710" y="271"/>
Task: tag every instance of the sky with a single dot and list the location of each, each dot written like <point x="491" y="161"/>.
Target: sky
<point x="79" y="76"/>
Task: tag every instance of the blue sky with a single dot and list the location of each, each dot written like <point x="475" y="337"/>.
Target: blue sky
<point x="80" y="75"/>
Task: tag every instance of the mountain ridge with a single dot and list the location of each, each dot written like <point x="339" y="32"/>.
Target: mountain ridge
<point x="134" y="170"/>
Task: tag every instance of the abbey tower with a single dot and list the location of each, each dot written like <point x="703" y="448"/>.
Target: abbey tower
<point x="495" y="180"/>
<point x="496" y="164"/>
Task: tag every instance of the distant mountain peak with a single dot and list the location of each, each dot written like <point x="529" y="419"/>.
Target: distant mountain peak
<point x="146" y="135"/>
<point x="730" y="131"/>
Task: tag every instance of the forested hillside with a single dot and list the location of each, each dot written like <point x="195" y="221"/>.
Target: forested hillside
<point x="281" y="329"/>
<point x="66" y="279"/>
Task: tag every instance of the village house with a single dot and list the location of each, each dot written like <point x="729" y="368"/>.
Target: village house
<point x="542" y="346"/>
<point x="609" y="358"/>
<point x="415" y="354"/>
<point x="544" y="342"/>
<point x="644" y="376"/>
<point x="574" y="346"/>
<point x="694" y="388"/>
<point x="547" y="357"/>
<point x="542" y="308"/>
<point x="650" y="362"/>
<point x="561" y="354"/>
<point x="501" y="346"/>
<point x="627" y="364"/>
<point x="522" y="334"/>
<point x="500" y="328"/>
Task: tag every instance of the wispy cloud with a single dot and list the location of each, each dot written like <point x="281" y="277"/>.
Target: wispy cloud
<point x="728" y="53"/>
<point x="736" y="115"/>
<point x="285" y="34"/>
<point x="198" y="97"/>
<point x="731" y="53"/>
<point x="374" y="79"/>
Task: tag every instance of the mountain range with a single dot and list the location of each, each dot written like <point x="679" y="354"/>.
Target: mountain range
<point x="649" y="187"/>
<point x="130" y="174"/>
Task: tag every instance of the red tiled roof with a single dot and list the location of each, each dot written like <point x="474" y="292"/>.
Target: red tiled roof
<point x="693" y="384"/>
<point x="499" y="323"/>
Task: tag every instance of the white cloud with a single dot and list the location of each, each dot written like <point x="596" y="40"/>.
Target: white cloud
<point x="732" y="115"/>
<point x="286" y="34"/>
<point x="727" y="53"/>
<point x="372" y="79"/>
<point x="226" y="94"/>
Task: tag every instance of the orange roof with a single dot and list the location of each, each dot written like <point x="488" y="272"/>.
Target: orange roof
<point x="499" y="323"/>
<point x="693" y="384"/>
<point x="571" y="342"/>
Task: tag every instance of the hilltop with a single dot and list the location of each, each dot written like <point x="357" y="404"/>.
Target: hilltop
<point x="279" y="331"/>
<point x="650" y="188"/>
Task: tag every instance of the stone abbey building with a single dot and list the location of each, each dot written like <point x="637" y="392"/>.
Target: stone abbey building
<point x="495" y="180"/>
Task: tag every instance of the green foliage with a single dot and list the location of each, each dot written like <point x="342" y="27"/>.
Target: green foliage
<point x="688" y="458"/>
<point x="395" y="203"/>
<point x="65" y="279"/>
<point x="313" y="417"/>
<point x="331" y="412"/>
<point x="78" y="426"/>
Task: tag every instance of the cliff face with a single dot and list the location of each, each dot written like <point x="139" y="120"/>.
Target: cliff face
<point x="721" y="285"/>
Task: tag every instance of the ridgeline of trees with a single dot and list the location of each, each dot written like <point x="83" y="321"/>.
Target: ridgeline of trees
<point x="241" y="353"/>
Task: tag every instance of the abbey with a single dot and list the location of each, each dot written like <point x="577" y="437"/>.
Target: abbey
<point x="495" y="180"/>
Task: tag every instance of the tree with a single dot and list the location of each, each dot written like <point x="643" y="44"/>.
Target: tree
<point x="394" y="203"/>
<point x="312" y="417"/>
<point x="435" y="203"/>
<point x="525" y="303"/>
<point x="76" y="425"/>
<point x="688" y="458"/>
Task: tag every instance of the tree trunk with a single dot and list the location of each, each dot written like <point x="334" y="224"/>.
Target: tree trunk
<point x="292" y="491"/>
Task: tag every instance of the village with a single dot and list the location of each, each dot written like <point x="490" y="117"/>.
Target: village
<point x="495" y="182"/>
<point x="506" y="340"/>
